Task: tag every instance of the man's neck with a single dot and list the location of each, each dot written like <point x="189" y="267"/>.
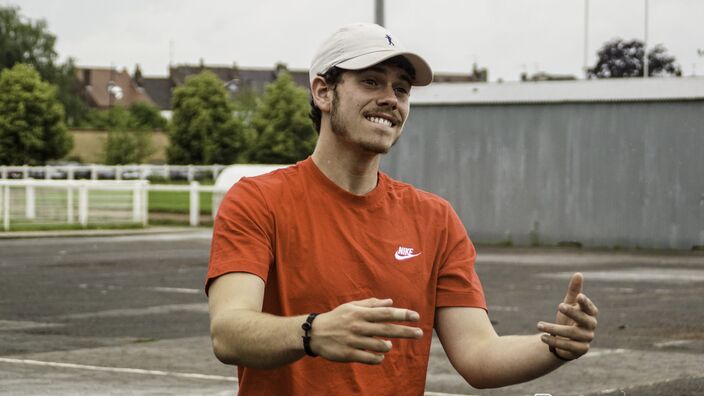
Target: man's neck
<point x="353" y="171"/>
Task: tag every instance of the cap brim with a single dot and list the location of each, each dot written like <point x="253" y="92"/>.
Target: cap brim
<point x="424" y="75"/>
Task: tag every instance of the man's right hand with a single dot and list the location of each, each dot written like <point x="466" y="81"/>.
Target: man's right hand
<point x="356" y="331"/>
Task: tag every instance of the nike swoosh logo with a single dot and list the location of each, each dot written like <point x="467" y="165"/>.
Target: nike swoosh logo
<point x="400" y="257"/>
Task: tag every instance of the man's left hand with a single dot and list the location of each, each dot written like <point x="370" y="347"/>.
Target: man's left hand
<point x="575" y="323"/>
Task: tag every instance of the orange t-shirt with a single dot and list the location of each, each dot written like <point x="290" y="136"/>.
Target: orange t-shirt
<point x="317" y="246"/>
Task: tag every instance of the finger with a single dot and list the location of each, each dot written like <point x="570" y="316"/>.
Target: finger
<point x="391" y="314"/>
<point x="580" y="318"/>
<point x="570" y="332"/>
<point x="357" y="355"/>
<point x="371" y="344"/>
<point x="573" y="348"/>
<point x="387" y="330"/>
<point x="373" y="302"/>
<point x="574" y="288"/>
<point x="587" y="305"/>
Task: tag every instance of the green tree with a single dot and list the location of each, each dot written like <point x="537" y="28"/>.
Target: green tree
<point x="129" y="140"/>
<point x="30" y="42"/>
<point x="138" y="115"/>
<point x="619" y="58"/>
<point x="285" y="134"/>
<point x="127" y="147"/>
<point x="32" y="129"/>
<point x="245" y="103"/>
<point x="146" y="116"/>
<point x="203" y="128"/>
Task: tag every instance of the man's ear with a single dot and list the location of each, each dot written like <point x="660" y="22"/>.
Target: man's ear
<point x="322" y="94"/>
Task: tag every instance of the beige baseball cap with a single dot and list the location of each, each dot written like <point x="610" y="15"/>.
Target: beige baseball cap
<point x="361" y="45"/>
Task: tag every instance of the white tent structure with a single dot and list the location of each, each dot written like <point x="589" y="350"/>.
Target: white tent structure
<point x="233" y="173"/>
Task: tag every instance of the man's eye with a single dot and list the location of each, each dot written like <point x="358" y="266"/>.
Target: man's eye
<point x="370" y="82"/>
<point x="402" y="91"/>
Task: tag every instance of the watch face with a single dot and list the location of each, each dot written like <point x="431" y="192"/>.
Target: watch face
<point x="306" y="326"/>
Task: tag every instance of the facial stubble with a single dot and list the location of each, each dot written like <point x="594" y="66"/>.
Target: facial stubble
<point x="339" y="128"/>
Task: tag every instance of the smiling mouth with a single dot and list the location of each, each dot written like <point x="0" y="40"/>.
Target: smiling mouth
<point x="380" y="121"/>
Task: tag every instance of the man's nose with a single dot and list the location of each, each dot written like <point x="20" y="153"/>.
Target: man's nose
<point x="388" y="97"/>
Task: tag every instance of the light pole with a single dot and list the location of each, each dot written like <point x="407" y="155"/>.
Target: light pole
<point x="114" y="90"/>
<point x="645" y="42"/>
<point x="379" y="12"/>
<point x="586" y="38"/>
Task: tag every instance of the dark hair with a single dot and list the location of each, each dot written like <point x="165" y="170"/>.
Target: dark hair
<point x="334" y="75"/>
<point x="332" y="78"/>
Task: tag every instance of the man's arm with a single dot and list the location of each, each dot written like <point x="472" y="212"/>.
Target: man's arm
<point x="486" y="360"/>
<point x="352" y="332"/>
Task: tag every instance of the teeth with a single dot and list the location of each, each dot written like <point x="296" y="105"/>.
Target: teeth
<point x="379" y="120"/>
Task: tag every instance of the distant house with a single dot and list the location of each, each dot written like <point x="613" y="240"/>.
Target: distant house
<point x="234" y="78"/>
<point x="159" y="89"/>
<point x="103" y="88"/>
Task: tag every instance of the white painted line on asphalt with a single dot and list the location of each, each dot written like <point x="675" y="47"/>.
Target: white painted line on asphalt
<point x="614" y="390"/>
<point x="673" y="343"/>
<point x="502" y="308"/>
<point x="156" y="310"/>
<point x="622" y="392"/>
<point x="177" y="290"/>
<point x="619" y="290"/>
<point x="668" y="275"/>
<point x="14" y="325"/>
<point x="172" y="237"/>
<point x="123" y="370"/>
<point x="585" y="258"/>
<point x="603" y="352"/>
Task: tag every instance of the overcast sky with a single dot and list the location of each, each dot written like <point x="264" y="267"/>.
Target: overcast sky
<point x="506" y="36"/>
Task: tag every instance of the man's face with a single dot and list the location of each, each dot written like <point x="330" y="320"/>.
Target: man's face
<point x="370" y="106"/>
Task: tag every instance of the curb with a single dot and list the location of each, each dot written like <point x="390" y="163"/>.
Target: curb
<point x="99" y="233"/>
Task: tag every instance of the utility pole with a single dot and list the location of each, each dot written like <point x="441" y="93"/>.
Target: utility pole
<point x="586" y="38"/>
<point x="172" y="52"/>
<point x="379" y="12"/>
<point x="111" y="84"/>
<point x="645" y="42"/>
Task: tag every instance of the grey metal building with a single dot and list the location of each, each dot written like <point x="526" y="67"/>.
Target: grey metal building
<point x="606" y="163"/>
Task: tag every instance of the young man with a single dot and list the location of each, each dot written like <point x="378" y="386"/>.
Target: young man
<point x="380" y="262"/>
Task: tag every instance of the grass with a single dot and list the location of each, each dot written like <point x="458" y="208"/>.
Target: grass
<point x="161" y="180"/>
<point x="178" y="202"/>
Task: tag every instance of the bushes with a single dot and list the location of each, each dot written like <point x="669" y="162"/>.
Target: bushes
<point x="207" y="128"/>
<point x="32" y="128"/>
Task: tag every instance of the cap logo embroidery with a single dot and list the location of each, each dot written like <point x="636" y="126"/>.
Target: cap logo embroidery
<point x="388" y="37"/>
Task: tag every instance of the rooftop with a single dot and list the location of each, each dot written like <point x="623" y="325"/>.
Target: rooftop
<point x="602" y="90"/>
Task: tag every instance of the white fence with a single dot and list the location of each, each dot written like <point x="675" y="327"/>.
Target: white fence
<point x="116" y="172"/>
<point x="84" y="202"/>
<point x="194" y="189"/>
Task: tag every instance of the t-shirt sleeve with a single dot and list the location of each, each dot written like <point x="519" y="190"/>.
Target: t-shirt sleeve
<point x="458" y="283"/>
<point x="243" y="234"/>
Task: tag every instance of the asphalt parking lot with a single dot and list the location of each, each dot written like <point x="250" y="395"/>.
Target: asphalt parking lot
<point x="127" y="315"/>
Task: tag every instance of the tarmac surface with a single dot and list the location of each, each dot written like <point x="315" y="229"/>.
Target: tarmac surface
<point x="117" y="313"/>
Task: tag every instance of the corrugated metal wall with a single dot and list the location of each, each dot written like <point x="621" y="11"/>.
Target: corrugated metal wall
<point x="600" y="174"/>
